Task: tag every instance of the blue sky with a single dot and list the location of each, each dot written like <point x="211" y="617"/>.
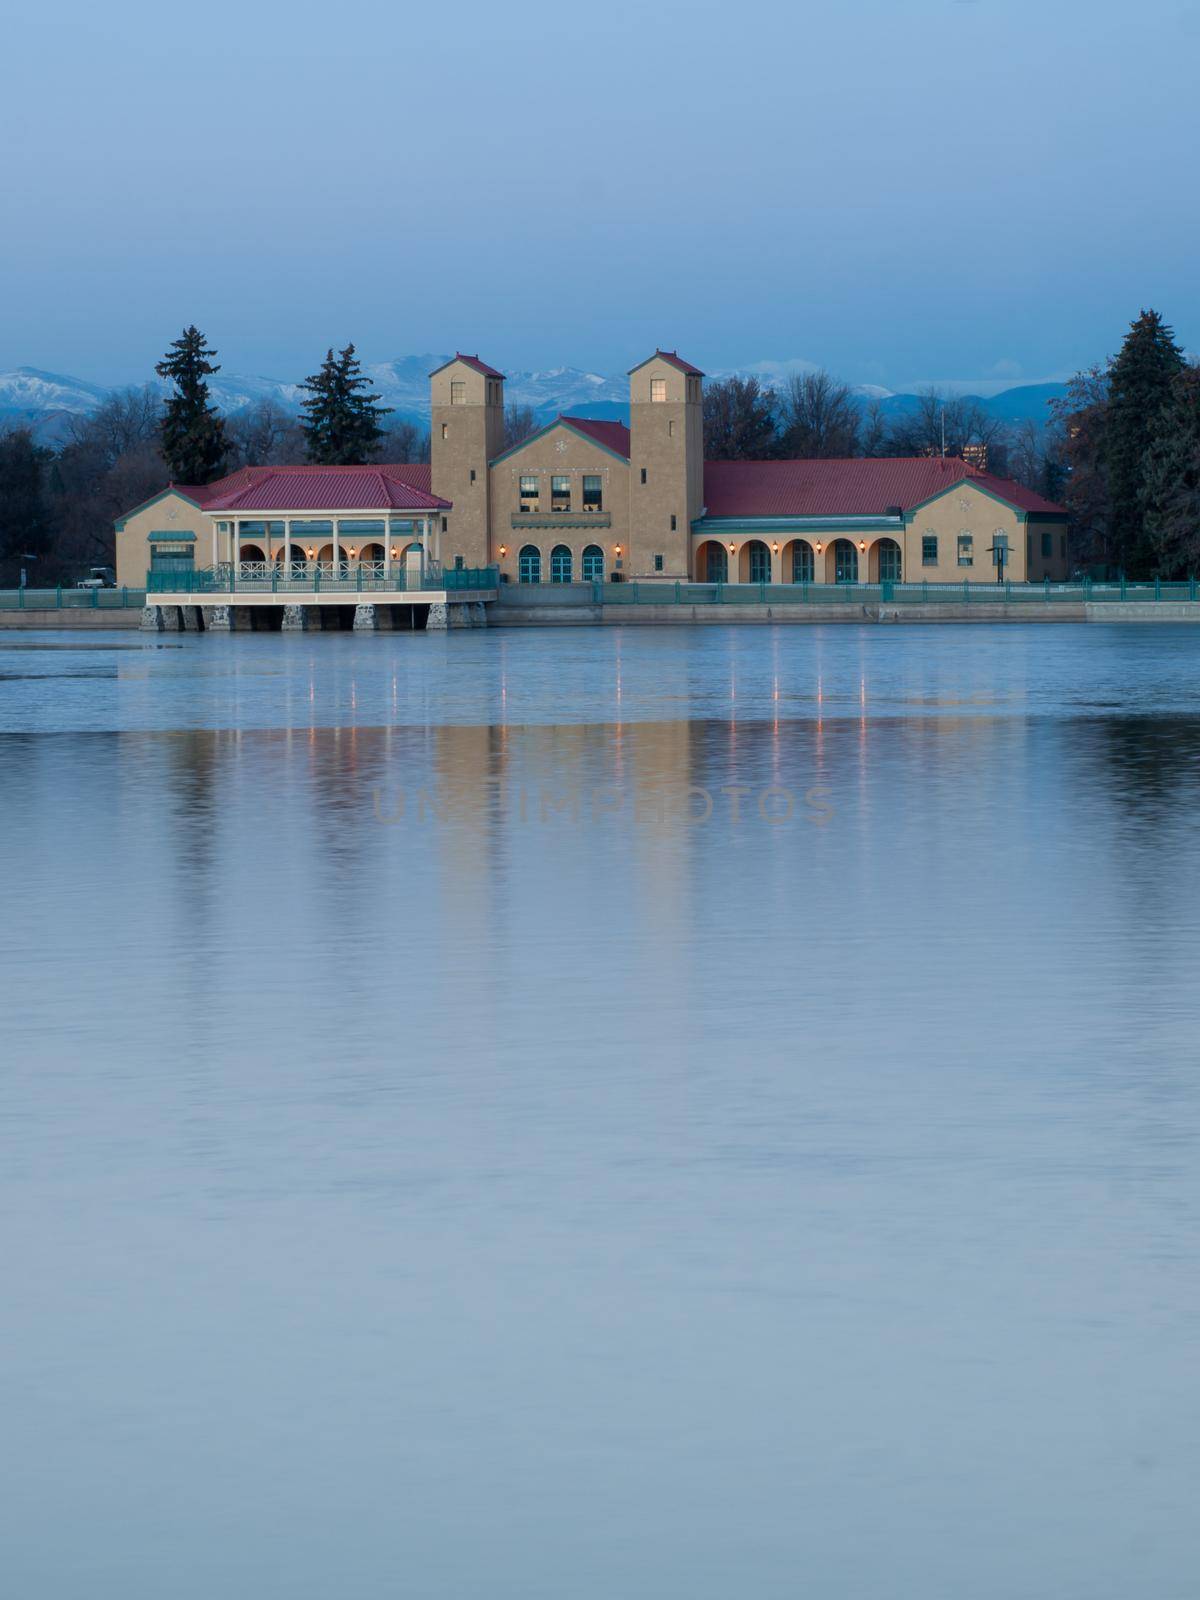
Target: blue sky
<point x="902" y="192"/>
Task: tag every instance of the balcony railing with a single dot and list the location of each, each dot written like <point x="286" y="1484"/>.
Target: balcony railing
<point x="321" y="577"/>
<point x="561" y="519"/>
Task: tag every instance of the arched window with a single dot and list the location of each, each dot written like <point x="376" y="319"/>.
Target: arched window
<point x="845" y="562"/>
<point x="529" y="564"/>
<point x="716" y="566"/>
<point x="593" y="563"/>
<point x="889" y="561"/>
<point x="759" y="562"/>
<point x="560" y="564"/>
<point x="802" y="562"/>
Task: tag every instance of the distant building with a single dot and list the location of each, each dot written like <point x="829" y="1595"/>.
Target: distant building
<point x="587" y="499"/>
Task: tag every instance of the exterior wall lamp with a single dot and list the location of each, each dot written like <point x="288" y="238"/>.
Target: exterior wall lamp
<point x="503" y="551"/>
<point x="617" y="549"/>
<point x="311" y="554"/>
<point x="353" y="553"/>
<point x="862" y="545"/>
<point x="395" y="552"/>
<point x="732" y="548"/>
<point x="775" y="547"/>
<point x="818" y="547"/>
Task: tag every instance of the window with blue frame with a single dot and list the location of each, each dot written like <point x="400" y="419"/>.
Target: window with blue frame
<point x="929" y="550"/>
<point x="760" y="562"/>
<point x="889" y="561"/>
<point x="845" y="562"/>
<point x="802" y="562"/>
<point x="529" y="564"/>
<point x="560" y="564"/>
<point x="593" y="563"/>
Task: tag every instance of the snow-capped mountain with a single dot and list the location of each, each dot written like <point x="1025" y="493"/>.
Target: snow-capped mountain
<point x="30" y="390"/>
<point x="46" y="401"/>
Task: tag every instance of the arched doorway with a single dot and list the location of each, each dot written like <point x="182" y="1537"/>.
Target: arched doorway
<point x="372" y="552"/>
<point x="251" y="552"/>
<point x="593" y="564"/>
<point x="886" y="562"/>
<point x="712" y="562"/>
<point x="560" y="564"/>
<point x="842" y="562"/>
<point x="799" y="565"/>
<point x="529" y="564"/>
<point x="754" y="562"/>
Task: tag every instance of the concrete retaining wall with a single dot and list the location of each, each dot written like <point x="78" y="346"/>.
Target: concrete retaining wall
<point x="84" y="618"/>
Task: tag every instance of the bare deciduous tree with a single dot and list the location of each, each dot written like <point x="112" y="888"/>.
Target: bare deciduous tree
<point x="820" y="419"/>
<point x="264" y="435"/>
<point x="519" y="423"/>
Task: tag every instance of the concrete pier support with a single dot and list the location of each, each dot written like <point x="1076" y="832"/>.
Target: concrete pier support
<point x="364" y="618"/>
<point x="444" y="615"/>
<point x="295" y="619"/>
<point x="218" y="619"/>
<point x="190" y="617"/>
<point x="170" y="618"/>
<point x="151" y="619"/>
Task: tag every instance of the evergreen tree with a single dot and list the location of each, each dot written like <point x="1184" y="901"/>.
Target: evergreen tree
<point x="1171" y="482"/>
<point x="342" y="421"/>
<point x="192" y="432"/>
<point x="1140" y="384"/>
<point x="24" y="514"/>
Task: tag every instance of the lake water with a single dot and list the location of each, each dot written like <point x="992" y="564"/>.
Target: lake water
<point x="603" y="1115"/>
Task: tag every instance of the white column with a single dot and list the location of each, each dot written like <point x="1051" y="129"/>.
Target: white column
<point x="235" y="540"/>
<point x="387" y="547"/>
<point x="337" y="547"/>
<point x="214" y="541"/>
<point x="287" y="543"/>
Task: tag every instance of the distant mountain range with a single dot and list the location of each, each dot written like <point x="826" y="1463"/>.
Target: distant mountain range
<point x="46" y="401"/>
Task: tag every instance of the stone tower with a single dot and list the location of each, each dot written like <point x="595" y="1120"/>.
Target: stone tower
<point x="466" y="431"/>
<point x="666" y="464"/>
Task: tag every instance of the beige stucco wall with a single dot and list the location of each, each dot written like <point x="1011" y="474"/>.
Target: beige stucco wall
<point x="964" y="509"/>
<point x="667" y="445"/>
<point x="1057" y="565"/>
<point x="560" y="453"/>
<point x="170" y="513"/>
<point x="463" y="439"/>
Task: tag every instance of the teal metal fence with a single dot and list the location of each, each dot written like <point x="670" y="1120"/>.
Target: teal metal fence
<point x="71" y="599"/>
<point x="886" y="593"/>
<point x="318" y="578"/>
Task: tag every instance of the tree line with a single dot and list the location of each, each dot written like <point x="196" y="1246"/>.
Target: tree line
<point x="1121" y="449"/>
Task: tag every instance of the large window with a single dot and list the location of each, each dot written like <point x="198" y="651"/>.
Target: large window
<point x="560" y="564"/>
<point x="760" y="562"/>
<point x="560" y="494"/>
<point x="1047" y="546"/>
<point x="593" y="563"/>
<point x="593" y="492"/>
<point x="966" y="550"/>
<point x="458" y="392"/>
<point x="529" y="491"/>
<point x="889" y="561"/>
<point x="802" y="562"/>
<point x="658" y="389"/>
<point x="529" y="564"/>
<point x="845" y="562"/>
<point x="929" y="549"/>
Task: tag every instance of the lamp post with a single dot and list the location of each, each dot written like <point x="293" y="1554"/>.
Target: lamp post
<point x="999" y="549"/>
<point x="26" y="555"/>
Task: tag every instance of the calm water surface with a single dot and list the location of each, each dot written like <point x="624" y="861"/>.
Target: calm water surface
<point x="601" y="1116"/>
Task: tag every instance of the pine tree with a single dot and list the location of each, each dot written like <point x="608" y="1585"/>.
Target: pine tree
<point x="342" y="421"/>
<point x="1140" y="384"/>
<point x="192" y="431"/>
<point x="24" y="516"/>
<point x="1171" y="482"/>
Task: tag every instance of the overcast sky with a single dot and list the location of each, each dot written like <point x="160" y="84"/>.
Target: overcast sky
<point x="902" y="190"/>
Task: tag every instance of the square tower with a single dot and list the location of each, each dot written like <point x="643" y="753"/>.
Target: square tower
<point x="666" y="462"/>
<point x="466" y="431"/>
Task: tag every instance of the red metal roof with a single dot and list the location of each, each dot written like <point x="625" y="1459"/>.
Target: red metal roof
<point x="612" y="435"/>
<point x="675" y="359"/>
<point x="470" y="361"/>
<point x="846" y="488"/>
<point x="403" y="487"/>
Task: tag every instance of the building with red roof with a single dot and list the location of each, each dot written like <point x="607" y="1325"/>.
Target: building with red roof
<point x="588" y="498"/>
